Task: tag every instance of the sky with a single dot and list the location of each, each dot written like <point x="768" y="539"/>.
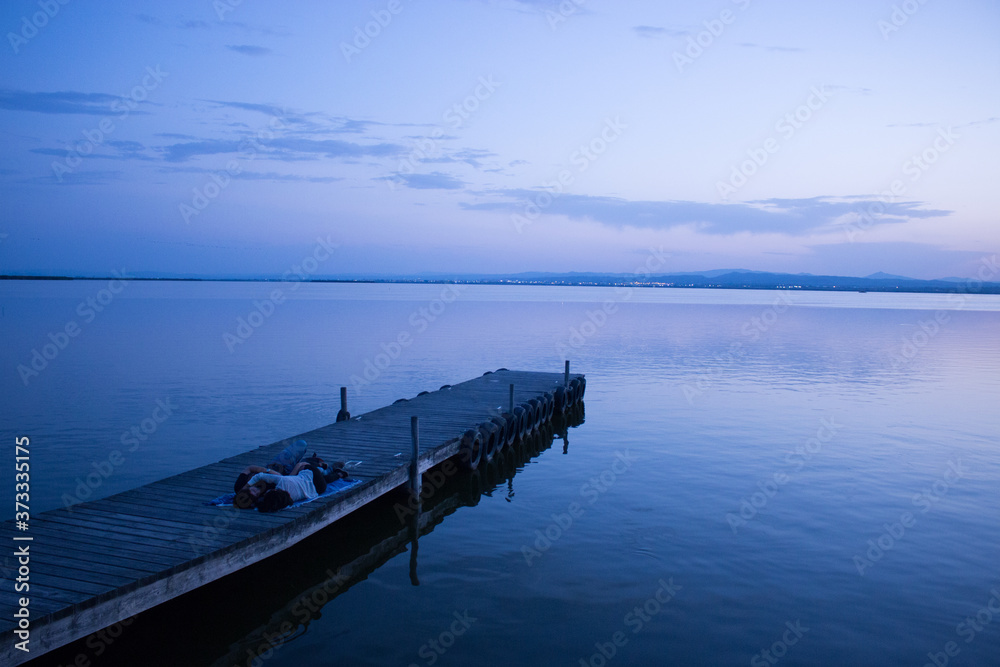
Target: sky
<point x="389" y="137"/>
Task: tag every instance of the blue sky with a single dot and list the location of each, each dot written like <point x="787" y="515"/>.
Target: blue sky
<point x="224" y="138"/>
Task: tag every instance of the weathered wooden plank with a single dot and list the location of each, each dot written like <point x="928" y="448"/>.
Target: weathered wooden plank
<point x="106" y="524"/>
<point x="53" y="533"/>
<point x="107" y="563"/>
<point x="54" y="595"/>
<point x="99" y="512"/>
<point x="90" y="542"/>
<point x="167" y="507"/>
<point x="72" y="526"/>
<point x="70" y="588"/>
<point x="74" y="573"/>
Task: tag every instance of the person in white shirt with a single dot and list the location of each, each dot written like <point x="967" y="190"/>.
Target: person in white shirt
<point x="304" y="482"/>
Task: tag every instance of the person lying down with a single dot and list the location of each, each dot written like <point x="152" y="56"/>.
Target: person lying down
<point x="287" y="479"/>
<point x="270" y="491"/>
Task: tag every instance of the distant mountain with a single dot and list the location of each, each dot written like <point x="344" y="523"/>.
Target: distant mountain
<point x="550" y="275"/>
<point x="715" y="279"/>
<point x="739" y="279"/>
<point x="881" y="275"/>
<point x="714" y="273"/>
<point x="763" y="280"/>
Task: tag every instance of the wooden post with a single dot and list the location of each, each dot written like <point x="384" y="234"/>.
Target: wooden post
<point x="511" y="409"/>
<point x="566" y="376"/>
<point x="343" y="415"/>
<point x="414" y="468"/>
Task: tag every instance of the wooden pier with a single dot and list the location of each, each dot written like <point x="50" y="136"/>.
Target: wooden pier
<point x="98" y="563"/>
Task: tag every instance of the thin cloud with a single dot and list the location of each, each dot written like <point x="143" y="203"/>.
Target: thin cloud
<point x="354" y="125"/>
<point x="974" y="123"/>
<point x="126" y="146"/>
<point x="269" y="109"/>
<point x="81" y="177"/>
<point x="173" y="135"/>
<point x="827" y="210"/>
<point x="151" y="20"/>
<point x="280" y="148"/>
<point x="249" y="49"/>
<point x="195" y="25"/>
<point x="311" y="122"/>
<point x="469" y="156"/>
<point x="190" y="149"/>
<point x="656" y="32"/>
<point x="564" y="9"/>
<point x="433" y="181"/>
<point x="64" y="102"/>
<point x="784" y="216"/>
<point x="985" y="121"/>
<point x="123" y="150"/>
<point x="257" y="175"/>
<point x="60" y="152"/>
<point x="200" y="24"/>
<point x="272" y="176"/>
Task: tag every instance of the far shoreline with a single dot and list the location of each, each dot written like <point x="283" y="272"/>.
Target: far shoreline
<point x="847" y="284"/>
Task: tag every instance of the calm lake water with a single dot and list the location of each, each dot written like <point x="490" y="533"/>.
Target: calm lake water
<point x="814" y="475"/>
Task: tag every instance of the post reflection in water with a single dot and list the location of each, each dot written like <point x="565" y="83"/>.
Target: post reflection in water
<point x="414" y="527"/>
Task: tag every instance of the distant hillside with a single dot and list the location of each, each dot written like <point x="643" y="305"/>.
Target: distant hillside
<point x="716" y="279"/>
<point x="881" y="275"/>
<point x="738" y="279"/>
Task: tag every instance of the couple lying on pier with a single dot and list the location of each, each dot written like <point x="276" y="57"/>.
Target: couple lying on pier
<point x="287" y="479"/>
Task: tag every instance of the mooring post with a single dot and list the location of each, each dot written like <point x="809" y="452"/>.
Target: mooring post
<point x="414" y="468"/>
<point x="343" y="415"/>
<point x="566" y="376"/>
<point x="511" y="408"/>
